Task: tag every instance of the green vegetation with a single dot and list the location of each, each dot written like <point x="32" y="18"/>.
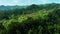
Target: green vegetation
<point x="34" y="19"/>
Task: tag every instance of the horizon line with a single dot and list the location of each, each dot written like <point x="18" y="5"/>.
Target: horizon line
<point x="27" y="4"/>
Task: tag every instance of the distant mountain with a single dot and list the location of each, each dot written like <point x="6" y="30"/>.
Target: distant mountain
<point x="31" y="7"/>
<point x="2" y="7"/>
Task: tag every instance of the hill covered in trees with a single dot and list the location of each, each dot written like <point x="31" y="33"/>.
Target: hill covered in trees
<point x="33" y="19"/>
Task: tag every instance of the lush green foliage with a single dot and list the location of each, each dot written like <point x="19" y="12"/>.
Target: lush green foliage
<point x="34" y="19"/>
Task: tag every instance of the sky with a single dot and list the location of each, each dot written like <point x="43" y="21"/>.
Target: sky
<point x="26" y="2"/>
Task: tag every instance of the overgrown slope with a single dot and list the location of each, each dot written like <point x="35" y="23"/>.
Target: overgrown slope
<point x="40" y="21"/>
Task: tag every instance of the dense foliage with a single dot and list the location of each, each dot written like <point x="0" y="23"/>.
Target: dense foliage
<point x="34" y="19"/>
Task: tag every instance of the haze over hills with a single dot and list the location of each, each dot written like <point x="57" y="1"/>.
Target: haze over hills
<point x="2" y="7"/>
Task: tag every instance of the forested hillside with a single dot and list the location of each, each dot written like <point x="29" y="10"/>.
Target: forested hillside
<point x="33" y="19"/>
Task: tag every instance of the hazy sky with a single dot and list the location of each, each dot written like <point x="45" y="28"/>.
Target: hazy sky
<point x="26" y="2"/>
